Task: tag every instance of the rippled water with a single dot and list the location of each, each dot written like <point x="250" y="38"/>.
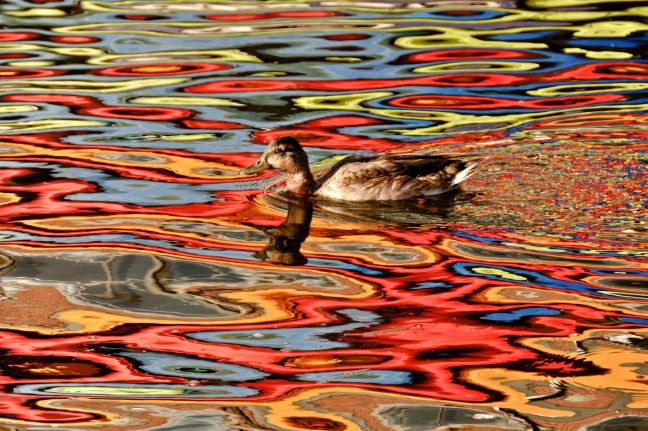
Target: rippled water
<point x="148" y="286"/>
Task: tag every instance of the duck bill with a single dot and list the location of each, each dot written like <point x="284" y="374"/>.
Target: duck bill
<point x="258" y="166"/>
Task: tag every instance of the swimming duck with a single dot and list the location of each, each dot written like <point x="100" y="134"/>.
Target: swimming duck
<point x="384" y="177"/>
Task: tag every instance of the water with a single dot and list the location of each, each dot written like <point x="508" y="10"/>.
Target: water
<point x="148" y="286"/>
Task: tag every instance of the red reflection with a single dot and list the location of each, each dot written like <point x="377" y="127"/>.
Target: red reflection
<point x="585" y="72"/>
<point x="244" y="85"/>
<point x="18" y="36"/>
<point x="74" y="39"/>
<point x="163" y="69"/>
<point x="208" y="124"/>
<point x="137" y="113"/>
<point x="465" y="54"/>
<point x="442" y="101"/>
<point x="14" y="55"/>
<point x="7" y="73"/>
<point x="346" y="36"/>
<point x="87" y="105"/>
<point x="61" y="99"/>
<point x="322" y="133"/>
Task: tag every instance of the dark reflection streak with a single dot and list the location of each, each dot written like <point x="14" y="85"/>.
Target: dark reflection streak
<point x="6" y="263"/>
<point x="431" y="211"/>
<point x="517" y="417"/>
<point x="286" y="239"/>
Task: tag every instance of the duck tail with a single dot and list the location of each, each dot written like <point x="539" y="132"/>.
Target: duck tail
<point x="463" y="174"/>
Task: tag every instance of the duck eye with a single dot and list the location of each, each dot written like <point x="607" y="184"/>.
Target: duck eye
<point x="278" y="150"/>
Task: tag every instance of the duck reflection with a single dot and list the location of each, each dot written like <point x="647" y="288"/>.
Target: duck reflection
<point x="286" y="239"/>
<point x="434" y="211"/>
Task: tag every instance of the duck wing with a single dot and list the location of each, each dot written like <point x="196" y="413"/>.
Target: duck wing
<point x="419" y="166"/>
<point x="391" y="177"/>
<point x="363" y="162"/>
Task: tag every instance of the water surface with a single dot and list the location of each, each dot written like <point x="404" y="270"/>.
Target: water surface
<point x="148" y="286"/>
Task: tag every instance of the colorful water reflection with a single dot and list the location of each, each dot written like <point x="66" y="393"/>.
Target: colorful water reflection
<point x="148" y="286"/>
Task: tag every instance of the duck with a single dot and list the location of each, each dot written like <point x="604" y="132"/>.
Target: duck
<point x="362" y="178"/>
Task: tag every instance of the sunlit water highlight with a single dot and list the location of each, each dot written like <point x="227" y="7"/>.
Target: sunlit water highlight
<point x="148" y="286"/>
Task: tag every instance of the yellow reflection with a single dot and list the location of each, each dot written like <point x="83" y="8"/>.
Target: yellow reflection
<point x="566" y="3"/>
<point x="630" y="295"/>
<point x="445" y="37"/>
<point x="77" y="51"/>
<point x="29" y="126"/>
<point x="350" y="102"/>
<point x="185" y="101"/>
<point x="611" y="29"/>
<point x="478" y="66"/>
<point x="600" y="55"/>
<point x="20" y="47"/>
<point x="225" y="55"/>
<point x="591" y="88"/>
<point x="344" y="59"/>
<point x="8" y="198"/>
<point x="499" y="273"/>
<point x="460" y="38"/>
<point x="35" y="63"/>
<point x="181" y="138"/>
<point x="535" y="247"/>
<point x="80" y="86"/>
<point x="14" y="109"/>
<point x="36" y="12"/>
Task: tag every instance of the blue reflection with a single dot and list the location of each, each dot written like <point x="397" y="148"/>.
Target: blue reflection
<point x="378" y="377"/>
<point x="525" y="277"/>
<point x="166" y="364"/>
<point x="609" y="44"/>
<point x="515" y="315"/>
<point x="529" y="35"/>
<point x="304" y="338"/>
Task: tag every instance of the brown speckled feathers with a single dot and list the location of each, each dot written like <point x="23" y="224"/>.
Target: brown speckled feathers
<point x="364" y="178"/>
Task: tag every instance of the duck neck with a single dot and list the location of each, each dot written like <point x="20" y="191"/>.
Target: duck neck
<point x="300" y="182"/>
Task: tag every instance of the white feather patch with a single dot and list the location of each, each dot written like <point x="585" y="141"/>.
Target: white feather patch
<point x="464" y="174"/>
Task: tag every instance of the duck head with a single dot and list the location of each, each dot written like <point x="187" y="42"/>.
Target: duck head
<point x="284" y="154"/>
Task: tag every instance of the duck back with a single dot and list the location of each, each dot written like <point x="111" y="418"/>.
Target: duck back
<point x="391" y="177"/>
